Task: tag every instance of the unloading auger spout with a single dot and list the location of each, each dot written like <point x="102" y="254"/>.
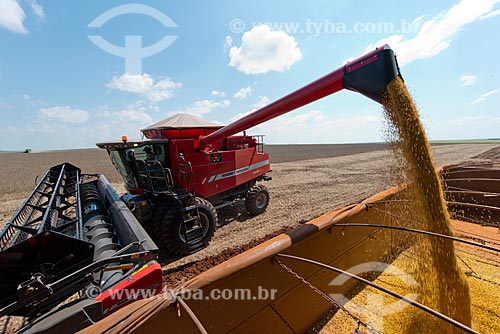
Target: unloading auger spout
<point x="367" y="75"/>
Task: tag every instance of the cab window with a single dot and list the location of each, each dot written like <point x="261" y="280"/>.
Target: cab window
<point x="119" y="160"/>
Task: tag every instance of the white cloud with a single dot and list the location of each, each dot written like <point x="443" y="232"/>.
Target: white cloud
<point x="485" y="95"/>
<point x="65" y="114"/>
<point x="145" y="85"/>
<point x="263" y="50"/>
<point x="37" y="9"/>
<point x="12" y="16"/>
<point x="243" y="93"/>
<point x="203" y="107"/>
<point x="467" y="80"/>
<point x="491" y="14"/>
<point x="218" y="93"/>
<point x="435" y="34"/>
<point x="130" y="115"/>
<point x="5" y="106"/>
<point x="315" y="126"/>
<point x="228" y="43"/>
<point x="467" y="127"/>
<point x="134" y="83"/>
<point x="162" y="90"/>
<point x="264" y="100"/>
<point x="106" y="125"/>
<point x="112" y="124"/>
<point x="313" y="115"/>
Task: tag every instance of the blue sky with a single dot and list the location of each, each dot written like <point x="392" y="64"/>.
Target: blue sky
<point x="59" y="90"/>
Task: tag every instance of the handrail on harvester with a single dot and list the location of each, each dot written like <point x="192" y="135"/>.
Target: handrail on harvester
<point x="368" y="75"/>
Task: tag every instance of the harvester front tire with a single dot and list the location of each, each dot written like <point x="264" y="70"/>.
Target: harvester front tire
<point x="172" y="236"/>
<point x="257" y="200"/>
<point x="154" y="229"/>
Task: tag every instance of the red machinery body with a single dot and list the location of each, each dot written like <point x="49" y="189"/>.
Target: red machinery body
<point x="144" y="283"/>
<point x="198" y="165"/>
<point x="222" y="169"/>
<point x="226" y="164"/>
<point x="357" y="75"/>
<point x="221" y="161"/>
<point x="83" y="233"/>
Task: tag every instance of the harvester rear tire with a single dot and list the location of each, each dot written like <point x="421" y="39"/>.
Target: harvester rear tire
<point x="257" y="200"/>
<point x="171" y="233"/>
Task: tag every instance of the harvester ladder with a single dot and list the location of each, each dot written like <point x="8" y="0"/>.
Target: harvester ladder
<point x="186" y="175"/>
<point x="54" y="204"/>
<point x="193" y="229"/>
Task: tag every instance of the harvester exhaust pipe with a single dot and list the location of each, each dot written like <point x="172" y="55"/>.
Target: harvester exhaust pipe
<point x="367" y="75"/>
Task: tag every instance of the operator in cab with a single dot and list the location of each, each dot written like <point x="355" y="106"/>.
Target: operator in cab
<point x="149" y="153"/>
<point x="159" y="155"/>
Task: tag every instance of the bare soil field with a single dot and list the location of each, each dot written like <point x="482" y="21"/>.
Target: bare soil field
<point x="308" y="180"/>
<point x="19" y="170"/>
<point x="300" y="189"/>
<point x="303" y="190"/>
<point x="286" y="153"/>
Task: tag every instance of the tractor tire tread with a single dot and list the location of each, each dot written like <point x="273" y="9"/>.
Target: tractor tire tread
<point x="171" y="224"/>
<point x="251" y="199"/>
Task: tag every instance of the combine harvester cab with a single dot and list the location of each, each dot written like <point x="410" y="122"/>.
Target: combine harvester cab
<point x="73" y="238"/>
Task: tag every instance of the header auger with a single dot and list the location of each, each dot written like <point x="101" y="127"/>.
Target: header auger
<point x="72" y="235"/>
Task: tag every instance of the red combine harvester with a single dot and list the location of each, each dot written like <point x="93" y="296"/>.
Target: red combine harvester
<point x="188" y="167"/>
<point x="175" y="186"/>
<point x="73" y="236"/>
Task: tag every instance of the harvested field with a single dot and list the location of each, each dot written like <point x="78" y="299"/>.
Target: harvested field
<point x="286" y="153"/>
<point x="19" y="170"/>
<point x="26" y="167"/>
<point x="300" y="190"/>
